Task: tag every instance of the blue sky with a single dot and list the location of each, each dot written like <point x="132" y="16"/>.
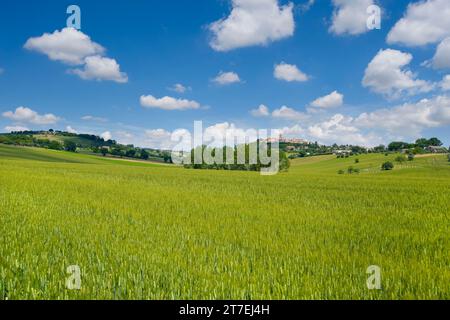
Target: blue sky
<point x="319" y="73"/>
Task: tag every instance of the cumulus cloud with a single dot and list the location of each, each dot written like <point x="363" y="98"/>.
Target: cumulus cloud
<point x="409" y="118"/>
<point x="333" y="100"/>
<point x="69" y="46"/>
<point x="261" y="111"/>
<point x="289" y="72"/>
<point x="69" y="129"/>
<point x="179" y="88"/>
<point x="425" y="22"/>
<point x="287" y="113"/>
<point x="252" y="22"/>
<point x="350" y="17"/>
<point x="441" y="59"/>
<point x="162" y="139"/>
<point x="340" y="129"/>
<point x="294" y="131"/>
<point x="16" y="129"/>
<point x="106" y="135"/>
<point x="73" y="47"/>
<point x="226" y="78"/>
<point x="27" y="115"/>
<point x="386" y="74"/>
<point x="168" y="103"/>
<point x="445" y="84"/>
<point x="100" y="69"/>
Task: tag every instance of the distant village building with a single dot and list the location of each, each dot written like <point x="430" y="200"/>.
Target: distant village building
<point x="281" y="139"/>
<point x="344" y="152"/>
<point x="290" y="148"/>
<point x="434" y="149"/>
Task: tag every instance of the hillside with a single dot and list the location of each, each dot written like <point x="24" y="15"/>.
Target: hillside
<point x="164" y="232"/>
<point x="82" y="143"/>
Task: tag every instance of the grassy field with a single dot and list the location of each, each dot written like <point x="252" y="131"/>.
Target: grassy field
<point x="142" y="231"/>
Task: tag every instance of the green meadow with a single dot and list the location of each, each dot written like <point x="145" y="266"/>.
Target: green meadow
<point x="149" y="231"/>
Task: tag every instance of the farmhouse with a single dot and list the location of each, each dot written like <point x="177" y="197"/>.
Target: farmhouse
<point x="434" y="149"/>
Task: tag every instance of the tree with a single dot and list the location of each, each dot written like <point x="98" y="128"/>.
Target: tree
<point x="398" y="145"/>
<point x="117" y="152"/>
<point x="422" y="143"/>
<point x="435" y="142"/>
<point x="387" y="166"/>
<point x="381" y="148"/>
<point x="104" y="151"/>
<point x="131" y="153"/>
<point x="55" y="145"/>
<point x="167" y="158"/>
<point x="144" y="154"/>
<point x="70" y="146"/>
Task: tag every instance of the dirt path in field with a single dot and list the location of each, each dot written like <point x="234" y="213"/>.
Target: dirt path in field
<point x="139" y="161"/>
<point x="428" y="155"/>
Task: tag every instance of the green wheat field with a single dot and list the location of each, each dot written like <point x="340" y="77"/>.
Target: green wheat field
<point x="149" y="231"/>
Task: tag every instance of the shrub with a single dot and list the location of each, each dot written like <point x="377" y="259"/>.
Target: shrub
<point x="70" y="146"/>
<point x="341" y="172"/>
<point x="387" y="166"/>
<point x="356" y="160"/>
<point x="401" y="158"/>
<point x="411" y="157"/>
<point x="350" y="170"/>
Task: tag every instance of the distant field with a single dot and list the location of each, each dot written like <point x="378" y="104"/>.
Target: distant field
<point x="143" y="231"/>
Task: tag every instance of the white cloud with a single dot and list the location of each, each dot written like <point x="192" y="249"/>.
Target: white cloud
<point x="168" y="103"/>
<point x="252" y="22"/>
<point x="410" y="118"/>
<point x="445" y="84"/>
<point x="106" y="135"/>
<point x="350" y="16"/>
<point x="101" y="68"/>
<point x="161" y="139"/>
<point x="226" y="78"/>
<point x="441" y="59"/>
<point x="287" y="113"/>
<point x="157" y="133"/>
<point x="69" y="129"/>
<point x="261" y="111"/>
<point x="386" y="74"/>
<point x="295" y="130"/>
<point x="69" y="46"/>
<point x="289" y="72"/>
<point x="425" y="22"/>
<point x="124" y="137"/>
<point x="333" y="100"/>
<point x="179" y="88"/>
<point x="16" y="129"/>
<point x="306" y="6"/>
<point x="26" y="115"/>
<point x="73" y="47"/>
<point x="93" y="118"/>
<point x="340" y="129"/>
